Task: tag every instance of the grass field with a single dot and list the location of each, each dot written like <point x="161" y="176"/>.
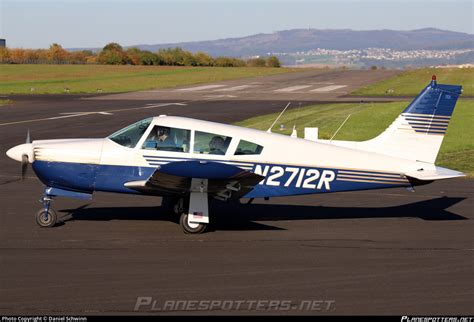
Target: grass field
<point x="55" y="79"/>
<point x="411" y="82"/>
<point x="369" y="120"/>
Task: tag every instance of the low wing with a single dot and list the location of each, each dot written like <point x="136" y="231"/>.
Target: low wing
<point x="161" y="184"/>
<point x="223" y="181"/>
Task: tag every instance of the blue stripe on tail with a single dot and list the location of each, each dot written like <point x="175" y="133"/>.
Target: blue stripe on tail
<point x="435" y="100"/>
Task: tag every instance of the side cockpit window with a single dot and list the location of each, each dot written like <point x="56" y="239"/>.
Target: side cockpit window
<point x="210" y="143"/>
<point x="248" y="148"/>
<point x="170" y="139"/>
<point x="129" y="136"/>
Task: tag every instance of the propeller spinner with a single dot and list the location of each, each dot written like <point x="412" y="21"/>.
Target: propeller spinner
<point x="22" y="153"/>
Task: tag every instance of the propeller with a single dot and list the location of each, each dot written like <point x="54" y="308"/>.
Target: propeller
<point x="24" y="158"/>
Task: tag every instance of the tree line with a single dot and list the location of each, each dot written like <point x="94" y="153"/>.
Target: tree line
<point x="114" y="54"/>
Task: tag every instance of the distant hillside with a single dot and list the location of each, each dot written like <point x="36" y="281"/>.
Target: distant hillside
<point x="297" y="40"/>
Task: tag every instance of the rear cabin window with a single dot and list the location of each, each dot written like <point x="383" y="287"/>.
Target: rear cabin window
<point x="210" y="143"/>
<point x="248" y="148"/>
<point x="165" y="138"/>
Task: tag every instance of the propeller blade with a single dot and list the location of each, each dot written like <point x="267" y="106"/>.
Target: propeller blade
<point x="28" y="139"/>
<point x="24" y="165"/>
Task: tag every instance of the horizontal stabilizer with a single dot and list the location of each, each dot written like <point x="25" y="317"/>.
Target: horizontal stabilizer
<point x="437" y="173"/>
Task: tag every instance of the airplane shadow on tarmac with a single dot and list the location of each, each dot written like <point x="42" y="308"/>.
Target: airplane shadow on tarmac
<point x="237" y="216"/>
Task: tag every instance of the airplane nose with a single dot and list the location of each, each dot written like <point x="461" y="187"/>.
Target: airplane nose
<point x="16" y="152"/>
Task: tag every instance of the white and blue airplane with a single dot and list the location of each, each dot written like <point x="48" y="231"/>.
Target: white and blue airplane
<point x="189" y="161"/>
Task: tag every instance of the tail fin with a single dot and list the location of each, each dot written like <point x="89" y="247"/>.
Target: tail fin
<point x="418" y="132"/>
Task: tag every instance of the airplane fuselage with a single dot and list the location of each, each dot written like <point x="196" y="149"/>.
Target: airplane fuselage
<point x="291" y="166"/>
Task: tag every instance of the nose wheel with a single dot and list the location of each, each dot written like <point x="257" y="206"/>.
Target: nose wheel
<point x="46" y="217"/>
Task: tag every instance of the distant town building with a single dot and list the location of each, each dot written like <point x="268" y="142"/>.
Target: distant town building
<point x="3" y="43"/>
<point x="378" y="57"/>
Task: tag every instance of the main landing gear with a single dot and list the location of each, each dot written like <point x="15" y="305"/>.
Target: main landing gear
<point x="191" y="227"/>
<point x="46" y="217"/>
<point x="194" y="210"/>
<point x="192" y="222"/>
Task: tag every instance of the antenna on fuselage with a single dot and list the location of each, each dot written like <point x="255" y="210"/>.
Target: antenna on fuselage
<point x="276" y="120"/>
<point x="294" y="133"/>
<point x="340" y="127"/>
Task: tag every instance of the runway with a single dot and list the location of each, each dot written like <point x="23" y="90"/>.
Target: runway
<point x="312" y="85"/>
<point x="371" y="252"/>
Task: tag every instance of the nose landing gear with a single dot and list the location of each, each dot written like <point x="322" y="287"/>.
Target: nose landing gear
<point x="46" y="217"/>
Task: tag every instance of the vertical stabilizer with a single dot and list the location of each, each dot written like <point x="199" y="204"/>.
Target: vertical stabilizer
<point x="418" y="132"/>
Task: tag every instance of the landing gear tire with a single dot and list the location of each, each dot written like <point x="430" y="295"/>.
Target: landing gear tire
<point x="191" y="228"/>
<point x="46" y="219"/>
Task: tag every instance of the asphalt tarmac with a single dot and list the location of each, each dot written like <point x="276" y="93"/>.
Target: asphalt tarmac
<point x="313" y="85"/>
<point x="368" y="252"/>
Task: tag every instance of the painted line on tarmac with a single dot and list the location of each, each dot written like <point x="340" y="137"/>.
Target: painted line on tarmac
<point x="292" y="88"/>
<point x="106" y="112"/>
<point x="164" y="104"/>
<point x="211" y="97"/>
<point x="86" y="113"/>
<point x="327" y="88"/>
<point x="199" y="88"/>
<point x="234" y="88"/>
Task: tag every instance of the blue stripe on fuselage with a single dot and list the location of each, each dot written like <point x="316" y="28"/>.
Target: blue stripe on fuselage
<point x="278" y="181"/>
<point x="89" y="177"/>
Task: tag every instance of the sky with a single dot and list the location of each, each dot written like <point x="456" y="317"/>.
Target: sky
<point x="86" y="23"/>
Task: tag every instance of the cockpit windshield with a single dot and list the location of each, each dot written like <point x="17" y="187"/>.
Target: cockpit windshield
<point x="129" y="136"/>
